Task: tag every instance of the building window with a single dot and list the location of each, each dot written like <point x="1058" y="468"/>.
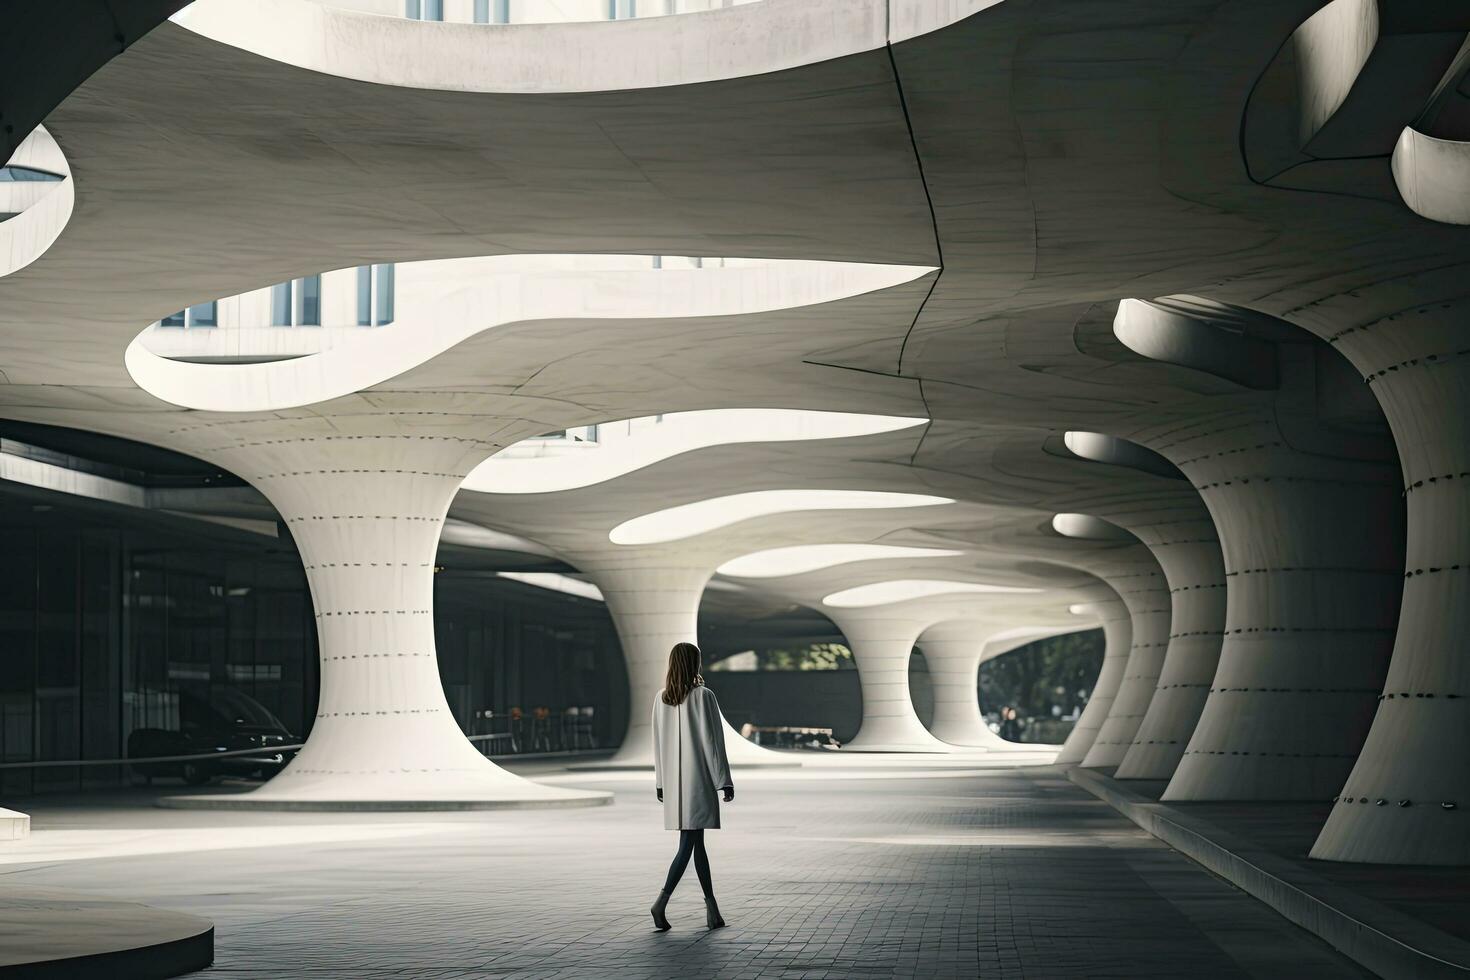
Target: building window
<point x="364" y="296"/>
<point x="297" y="302"/>
<point x="309" y="301"/>
<point x="492" y="11"/>
<point x="204" y="315"/>
<point x="21" y="175"/>
<point x="383" y="293"/>
<point x="198" y="315"/>
<point x="374" y="295"/>
<point x="281" y="304"/>
<point x="423" y="9"/>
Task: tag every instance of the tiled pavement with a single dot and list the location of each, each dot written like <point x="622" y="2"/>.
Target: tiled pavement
<point x="1004" y="873"/>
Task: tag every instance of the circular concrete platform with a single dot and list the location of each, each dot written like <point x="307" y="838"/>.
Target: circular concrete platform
<point x="59" y="934"/>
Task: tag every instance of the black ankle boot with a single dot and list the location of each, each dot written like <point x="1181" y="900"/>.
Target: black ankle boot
<point x="660" y="921"/>
<point x="712" y="913"/>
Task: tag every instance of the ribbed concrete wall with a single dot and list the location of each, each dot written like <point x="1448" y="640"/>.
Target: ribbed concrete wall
<point x="1311" y="547"/>
<point x="1303" y="497"/>
<point x="1407" y="798"/>
<point x="1310" y="556"/>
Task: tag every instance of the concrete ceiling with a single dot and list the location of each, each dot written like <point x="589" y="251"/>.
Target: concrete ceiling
<point x="1052" y="157"/>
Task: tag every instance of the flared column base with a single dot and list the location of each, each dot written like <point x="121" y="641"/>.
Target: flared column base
<point x="896" y="734"/>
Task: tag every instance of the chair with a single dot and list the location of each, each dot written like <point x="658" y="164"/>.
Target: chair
<point x="490" y="737"/>
<point x="541" y="729"/>
<point x="584" y="732"/>
<point x="570" y="719"/>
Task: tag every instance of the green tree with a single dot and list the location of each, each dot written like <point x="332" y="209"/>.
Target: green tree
<point x="1052" y="673"/>
<point x="813" y="656"/>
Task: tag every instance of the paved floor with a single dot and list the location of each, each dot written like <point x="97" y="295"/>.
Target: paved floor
<point x="1439" y="897"/>
<point x="855" y="872"/>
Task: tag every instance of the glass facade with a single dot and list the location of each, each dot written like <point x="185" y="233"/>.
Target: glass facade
<point x="103" y="630"/>
<point x="528" y="652"/>
<point x="107" y="629"/>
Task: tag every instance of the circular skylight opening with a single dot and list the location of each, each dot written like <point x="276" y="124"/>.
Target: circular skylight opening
<point x="902" y="590"/>
<point x="703" y="516"/>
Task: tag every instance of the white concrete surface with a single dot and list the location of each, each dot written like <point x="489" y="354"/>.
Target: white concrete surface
<point x="14" y="825"/>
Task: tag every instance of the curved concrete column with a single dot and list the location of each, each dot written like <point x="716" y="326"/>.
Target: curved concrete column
<point x="1310" y="612"/>
<point x="952" y="652"/>
<point x="1407" y="798"/>
<point x="1134" y="573"/>
<point x="654" y="603"/>
<point x="882" y="640"/>
<point x="1307" y="527"/>
<point x="1178" y="530"/>
<point x="1117" y="628"/>
<point x="365" y="505"/>
<point x="1188" y="552"/>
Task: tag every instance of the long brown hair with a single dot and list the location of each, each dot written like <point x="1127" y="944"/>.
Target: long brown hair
<point x="683" y="675"/>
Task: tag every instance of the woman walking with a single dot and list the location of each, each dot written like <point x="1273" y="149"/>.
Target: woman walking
<point x="689" y="763"/>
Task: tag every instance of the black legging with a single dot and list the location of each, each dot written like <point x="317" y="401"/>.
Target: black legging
<point x="691" y="842"/>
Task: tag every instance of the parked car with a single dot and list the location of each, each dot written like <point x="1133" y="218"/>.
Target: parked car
<point x="227" y="721"/>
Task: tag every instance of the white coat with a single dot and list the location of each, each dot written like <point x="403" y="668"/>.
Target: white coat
<point x="689" y="763"/>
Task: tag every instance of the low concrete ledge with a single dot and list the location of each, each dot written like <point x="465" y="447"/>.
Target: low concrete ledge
<point x="14" y="825"/>
<point x="1388" y="942"/>
<point x="53" y="934"/>
<point x="244" y="801"/>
